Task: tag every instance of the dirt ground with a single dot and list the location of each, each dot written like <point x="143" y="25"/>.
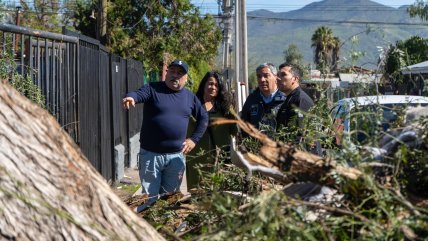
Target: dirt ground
<point x="128" y="184"/>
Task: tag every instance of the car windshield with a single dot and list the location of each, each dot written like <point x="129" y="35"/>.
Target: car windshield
<point x="364" y="121"/>
<point x="389" y="112"/>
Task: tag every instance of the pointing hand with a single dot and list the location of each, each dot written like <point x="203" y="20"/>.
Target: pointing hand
<point x="128" y="101"/>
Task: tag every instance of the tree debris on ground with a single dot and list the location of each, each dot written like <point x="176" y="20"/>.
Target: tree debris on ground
<point x="351" y="194"/>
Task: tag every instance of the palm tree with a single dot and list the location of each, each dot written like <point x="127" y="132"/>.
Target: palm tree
<point x="326" y="48"/>
<point x="335" y="53"/>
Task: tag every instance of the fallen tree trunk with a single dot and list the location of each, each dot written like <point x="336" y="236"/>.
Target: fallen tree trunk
<point x="285" y="163"/>
<point x="48" y="189"/>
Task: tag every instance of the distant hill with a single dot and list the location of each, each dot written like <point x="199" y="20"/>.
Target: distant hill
<point x="270" y="33"/>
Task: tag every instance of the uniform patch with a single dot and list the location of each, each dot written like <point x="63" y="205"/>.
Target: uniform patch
<point x="279" y="98"/>
<point x="254" y="109"/>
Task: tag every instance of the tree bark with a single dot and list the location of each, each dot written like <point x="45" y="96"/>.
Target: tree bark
<point x="48" y="189"/>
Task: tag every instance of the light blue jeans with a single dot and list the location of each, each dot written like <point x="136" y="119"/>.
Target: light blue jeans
<point x="160" y="173"/>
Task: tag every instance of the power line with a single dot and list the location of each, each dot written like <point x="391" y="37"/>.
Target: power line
<point x="252" y="7"/>
<point x="202" y="2"/>
<point x="351" y="7"/>
<point x="334" y="8"/>
<point x="337" y="21"/>
<point x="38" y="12"/>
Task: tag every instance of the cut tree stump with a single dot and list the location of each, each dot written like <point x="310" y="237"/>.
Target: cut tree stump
<point x="48" y="189"/>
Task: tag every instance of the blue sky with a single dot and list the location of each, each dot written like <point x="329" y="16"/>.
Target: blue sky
<point x="210" y="6"/>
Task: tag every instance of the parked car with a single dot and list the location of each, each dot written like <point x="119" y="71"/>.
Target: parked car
<point x="360" y="117"/>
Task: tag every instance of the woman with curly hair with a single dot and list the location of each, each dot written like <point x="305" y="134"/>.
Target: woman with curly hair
<point x="218" y="103"/>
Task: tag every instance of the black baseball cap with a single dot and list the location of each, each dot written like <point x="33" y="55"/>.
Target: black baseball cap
<point x="180" y="63"/>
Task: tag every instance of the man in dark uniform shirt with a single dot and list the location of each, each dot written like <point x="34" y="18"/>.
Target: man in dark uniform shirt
<point x="289" y="83"/>
<point x="261" y="107"/>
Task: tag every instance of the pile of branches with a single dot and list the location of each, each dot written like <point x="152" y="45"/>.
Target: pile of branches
<point x="278" y="191"/>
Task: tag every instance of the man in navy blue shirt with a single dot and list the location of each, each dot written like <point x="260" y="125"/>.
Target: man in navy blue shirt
<point x="167" y="109"/>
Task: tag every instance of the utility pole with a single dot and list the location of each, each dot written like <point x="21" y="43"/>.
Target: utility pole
<point x="244" y="51"/>
<point x="227" y="34"/>
<point x="241" y="59"/>
<point x="238" y="93"/>
<point x="18" y="23"/>
<point x="227" y="31"/>
<point x="18" y="17"/>
<point x="102" y="21"/>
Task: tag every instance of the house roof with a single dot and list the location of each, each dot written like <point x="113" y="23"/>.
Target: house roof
<point x="419" y="68"/>
<point x="360" y="78"/>
<point x="384" y="99"/>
